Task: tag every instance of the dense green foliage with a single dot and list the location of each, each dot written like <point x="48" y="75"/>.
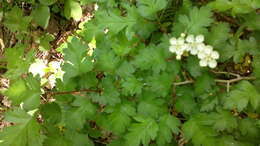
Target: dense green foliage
<point x="122" y="86"/>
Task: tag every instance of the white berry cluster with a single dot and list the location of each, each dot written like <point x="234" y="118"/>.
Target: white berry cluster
<point x="195" y="46"/>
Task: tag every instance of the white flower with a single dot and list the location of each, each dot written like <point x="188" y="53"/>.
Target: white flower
<point x="178" y="57"/>
<point x="190" y="38"/>
<point x="38" y="67"/>
<point x="208" y="57"/>
<point x="201" y="55"/>
<point x="194" y="43"/>
<point x="95" y="7"/>
<point x="199" y="38"/>
<point x="183" y="34"/>
<point x="212" y="63"/>
<point x="59" y="74"/>
<point x="208" y="62"/>
<point x="208" y="49"/>
<point x="204" y="51"/>
<point x="54" y="66"/>
<point x="52" y="81"/>
<point x="178" y="46"/>
<point x="215" y="55"/>
<point x="203" y="63"/>
<point x="173" y="41"/>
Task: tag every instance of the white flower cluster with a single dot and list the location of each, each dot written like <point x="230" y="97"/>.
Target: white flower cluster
<point x="48" y="73"/>
<point x="195" y="46"/>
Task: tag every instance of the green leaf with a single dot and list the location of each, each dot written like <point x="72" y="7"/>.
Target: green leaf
<point x="200" y="135"/>
<point x="106" y="60"/>
<point x="17" y="62"/>
<point x="220" y="5"/>
<point x="244" y="6"/>
<point x="88" y="80"/>
<point x="110" y="94"/>
<point x="193" y="66"/>
<point x="119" y="119"/>
<point x="243" y="94"/>
<point x="142" y="27"/>
<point x="185" y="102"/>
<point x="51" y="113"/>
<point x="45" y="42"/>
<point x="203" y="84"/>
<point x="168" y="124"/>
<point x="236" y="6"/>
<point x="47" y="2"/>
<point x="218" y="35"/>
<point x="25" y="132"/>
<point x="245" y="46"/>
<point x="57" y="141"/>
<point x="26" y="91"/>
<point x="76" y="61"/>
<point x="125" y="69"/>
<point x="72" y="9"/>
<point x="14" y="16"/>
<point x="258" y="123"/>
<point x="247" y="127"/>
<point x="116" y="142"/>
<point x="114" y="22"/>
<point x="256" y="63"/>
<point x="189" y="129"/>
<point x="227" y="140"/>
<point x="197" y="20"/>
<point x="132" y="86"/>
<point x="252" y="21"/>
<point x="84" y="2"/>
<point x="236" y="99"/>
<point x="209" y="104"/>
<point x="75" y="117"/>
<point x="186" y="105"/>
<point x="41" y="15"/>
<point x="227" y="51"/>
<point x="161" y="84"/>
<point x="121" y="45"/>
<point x="158" y="63"/>
<point x="142" y="132"/>
<point x="144" y="61"/>
<point x="224" y="120"/>
<point x="149" y="8"/>
<point x="151" y="107"/>
<point x="78" y="139"/>
<point x="91" y="30"/>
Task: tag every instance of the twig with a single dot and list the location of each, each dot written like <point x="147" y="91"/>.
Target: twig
<point x="234" y="80"/>
<point x="73" y="92"/>
<point x="170" y="58"/>
<point x="226" y="73"/>
<point x="227" y="19"/>
<point x="2" y="45"/>
<point x="183" y="83"/>
<point x="227" y="82"/>
<point x="182" y="141"/>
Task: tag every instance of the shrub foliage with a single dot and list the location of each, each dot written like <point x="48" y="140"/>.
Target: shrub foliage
<point x="121" y="84"/>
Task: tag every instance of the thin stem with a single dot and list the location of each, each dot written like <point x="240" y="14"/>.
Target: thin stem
<point x="234" y="80"/>
<point x="73" y="92"/>
<point x="226" y="73"/>
<point x="183" y="83"/>
<point x="227" y="82"/>
<point x="2" y="45"/>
